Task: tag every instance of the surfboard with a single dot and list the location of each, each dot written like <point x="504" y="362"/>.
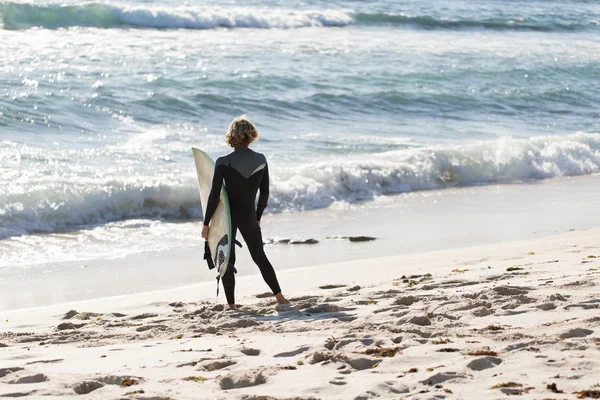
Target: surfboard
<point x="219" y="234"/>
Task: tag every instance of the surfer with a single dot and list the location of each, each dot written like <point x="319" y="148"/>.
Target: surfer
<point x="245" y="173"/>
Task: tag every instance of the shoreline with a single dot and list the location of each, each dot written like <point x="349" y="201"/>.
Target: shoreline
<point x="412" y="223"/>
<point x="456" y="318"/>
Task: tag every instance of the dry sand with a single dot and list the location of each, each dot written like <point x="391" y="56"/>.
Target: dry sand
<point x="485" y="322"/>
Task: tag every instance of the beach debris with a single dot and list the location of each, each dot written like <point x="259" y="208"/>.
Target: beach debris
<point x="436" y="367"/>
<point x="354" y="288"/>
<point x="216" y="365"/>
<point x="460" y="271"/>
<point x="198" y="379"/>
<point x="382" y="352"/>
<point x="582" y="394"/>
<point x="448" y="350"/>
<point x="304" y="241"/>
<point x="352" y="238"/>
<point x="361" y="238"/>
<point x="328" y="287"/>
<point x="492" y="327"/>
<point x="442" y="341"/>
<point x="141" y="391"/>
<point x="483" y="352"/>
<point x="506" y="385"/>
<point x="510" y="269"/>
<point x="553" y="388"/>
<point x="126" y="382"/>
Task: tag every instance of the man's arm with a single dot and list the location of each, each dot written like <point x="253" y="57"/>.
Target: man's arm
<point x="215" y="193"/>
<point x="263" y="197"/>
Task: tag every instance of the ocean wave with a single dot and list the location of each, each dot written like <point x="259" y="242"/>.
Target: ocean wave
<point x="59" y="207"/>
<point x="16" y="16"/>
<point x="499" y="23"/>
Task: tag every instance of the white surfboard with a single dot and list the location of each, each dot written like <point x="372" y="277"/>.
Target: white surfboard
<point x="219" y="234"/>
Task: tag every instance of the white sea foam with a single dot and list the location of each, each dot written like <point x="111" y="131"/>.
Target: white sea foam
<point x="26" y="15"/>
<point x="59" y="205"/>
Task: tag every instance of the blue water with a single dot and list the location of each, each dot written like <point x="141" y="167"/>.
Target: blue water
<point x="101" y="102"/>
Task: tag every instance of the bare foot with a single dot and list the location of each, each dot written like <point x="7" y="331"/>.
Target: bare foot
<point x="280" y="299"/>
<point x="233" y="306"/>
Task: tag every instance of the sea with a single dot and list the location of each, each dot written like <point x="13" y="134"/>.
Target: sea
<point x="355" y="101"/>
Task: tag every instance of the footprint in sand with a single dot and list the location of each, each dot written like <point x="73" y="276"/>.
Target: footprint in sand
<point x="143" y="316"/>
<point x="87" y="387"/>
<point x="6" y="371"/>
<point x="250" y="352"/>
<point x="338" y="380"/>
<point x="480" y="364"/>
<point x="118" y="380"/>
<point x="360" y="363"/>
<point x="406" y="300"/>
<point x="546" y="306"/>
<point x="149" y="327"/>
<point x="69" y="326"/>
<point x="292" y="353"/>
<point x="242" y="381"/>
<point x="443" y="377"/>
<point x="575" y="333"/>
<point x="37" y="378"/>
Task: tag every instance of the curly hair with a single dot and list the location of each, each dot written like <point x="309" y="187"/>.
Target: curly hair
<point x="241" y="133"/>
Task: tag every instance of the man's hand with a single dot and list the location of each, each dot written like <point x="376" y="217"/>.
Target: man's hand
<point x="258" y="222"/>
<point x="204" y="232"/>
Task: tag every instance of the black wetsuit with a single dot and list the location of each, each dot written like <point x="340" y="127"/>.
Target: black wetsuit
<point x="244" y="172"/>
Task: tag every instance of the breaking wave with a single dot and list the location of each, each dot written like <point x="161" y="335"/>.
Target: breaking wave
<point x="57" y="207"/>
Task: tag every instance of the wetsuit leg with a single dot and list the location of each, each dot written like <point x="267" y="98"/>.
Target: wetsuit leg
<point x="252" y="235"/>
<point x="229" y="277"/>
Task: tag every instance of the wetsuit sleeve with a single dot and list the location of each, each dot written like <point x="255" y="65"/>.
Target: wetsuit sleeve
<point x="263" y="197"/>
<point x="215" y="194"/>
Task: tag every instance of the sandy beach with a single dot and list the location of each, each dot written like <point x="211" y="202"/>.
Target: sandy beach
<point x="519" y="318"/>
